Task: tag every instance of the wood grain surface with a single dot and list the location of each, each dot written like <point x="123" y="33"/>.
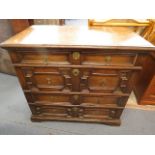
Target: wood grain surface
<point x="77" y="36"/>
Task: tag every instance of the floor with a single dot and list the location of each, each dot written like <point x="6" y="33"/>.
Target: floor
<point x="15" y="117"/>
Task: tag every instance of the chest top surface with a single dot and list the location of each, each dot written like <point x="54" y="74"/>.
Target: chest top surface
<point x="77" y="37"/>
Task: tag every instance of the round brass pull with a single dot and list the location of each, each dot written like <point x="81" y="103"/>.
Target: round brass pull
<point x="75" y="72"/>
<point x="76" y="55"/>
<point x="108" y="59"/>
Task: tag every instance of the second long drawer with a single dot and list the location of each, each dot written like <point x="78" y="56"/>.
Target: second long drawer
<point x="75" y="78"/>
<point x="84" y="99"/>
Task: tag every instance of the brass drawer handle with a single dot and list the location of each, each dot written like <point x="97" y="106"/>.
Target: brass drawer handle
<point x="75" y="72"/>
<point x="46" y="59"/>
<point x="108" y="59"/>
<point x="49" y="82"/>
<point x="76" y="55"/>
<point x="103" y="83"/>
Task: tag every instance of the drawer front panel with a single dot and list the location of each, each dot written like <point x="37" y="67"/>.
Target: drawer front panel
<point x="103" y="100"/>
<point x="53" y="82"/>
<point x="75" y="79"/>
<point x="43" y="57"/>
<point x="76" y="99"/>
<point x="100" y="80"/>
<point x="75" y="112"/>
<point x="108" y="59"/>
<point x="50" y="79"/>
<point x="49" y="110"/>
<point x="52" y="99"/>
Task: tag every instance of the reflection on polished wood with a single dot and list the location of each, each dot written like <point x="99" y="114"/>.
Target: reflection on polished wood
<point x="75" y="36"/>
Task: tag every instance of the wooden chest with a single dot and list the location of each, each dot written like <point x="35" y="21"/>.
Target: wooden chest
<point x="67" y="75"/>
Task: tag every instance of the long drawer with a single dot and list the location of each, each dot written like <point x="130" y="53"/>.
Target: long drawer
<point x="79" y="56"/>
<point x="83" y="99"/>
<point x="109" y="58"/>
<point x="75" y="111"/>
<point x="67" y="78"/>
<point x="41" y="57"/>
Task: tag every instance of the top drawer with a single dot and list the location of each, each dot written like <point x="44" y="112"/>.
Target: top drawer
<point x="43" y="57"/>
<point x="109" y="59"/>
<point x="75" y="57"/>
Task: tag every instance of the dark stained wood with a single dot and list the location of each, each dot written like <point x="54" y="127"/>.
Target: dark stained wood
<point x="38" y="118"/>
<point x="78" y="74"/>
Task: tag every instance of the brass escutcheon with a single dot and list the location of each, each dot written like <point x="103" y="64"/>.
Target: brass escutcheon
<point x="107" y="59"/>
<point x="76" y="55"/>
<point x="75" y="72"/>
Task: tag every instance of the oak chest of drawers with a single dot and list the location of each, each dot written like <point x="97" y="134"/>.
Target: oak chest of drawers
<point x="70" y="74"/>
